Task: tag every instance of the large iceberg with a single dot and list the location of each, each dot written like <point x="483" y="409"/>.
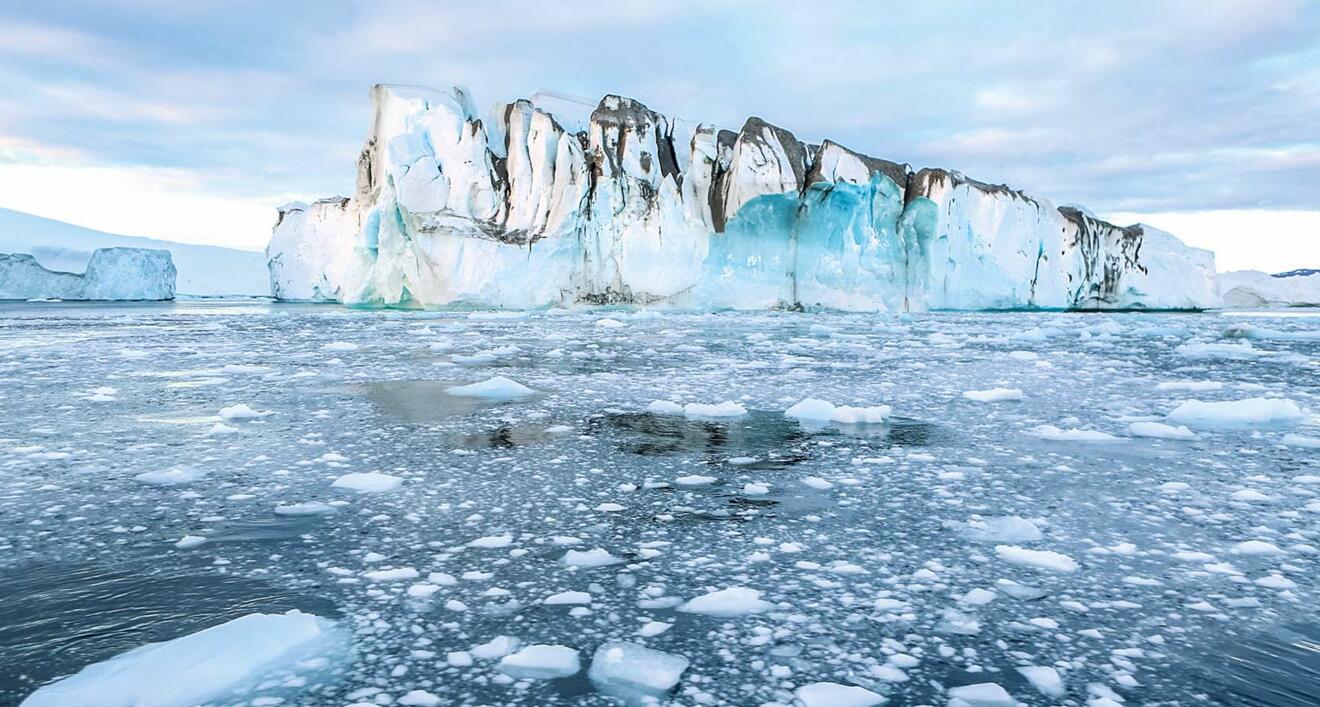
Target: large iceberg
<point x="1253" y="288"/>
<point x="111" y="274"/>
<point x="550" y="201"/>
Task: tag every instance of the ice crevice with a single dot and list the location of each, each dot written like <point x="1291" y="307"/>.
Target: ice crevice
<point x="526" y="208"/>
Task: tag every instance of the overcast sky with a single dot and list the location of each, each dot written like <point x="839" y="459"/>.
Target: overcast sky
<point x="193" y="120"/>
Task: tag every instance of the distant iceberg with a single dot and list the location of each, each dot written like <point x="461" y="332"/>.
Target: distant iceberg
<point x="112" y="274"/>
<point x="551" y="201"/>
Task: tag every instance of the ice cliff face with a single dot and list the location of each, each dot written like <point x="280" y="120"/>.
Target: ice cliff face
<point x="1253" y="288"/>
<point x="546" y="201"/>
<point x="112" y="274"/>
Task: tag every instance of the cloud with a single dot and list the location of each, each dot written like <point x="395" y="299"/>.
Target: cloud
<point x="1167" y="106"/>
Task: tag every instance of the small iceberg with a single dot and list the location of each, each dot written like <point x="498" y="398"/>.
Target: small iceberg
<point x="498" y="388"/>
<point x="202" y="667"/>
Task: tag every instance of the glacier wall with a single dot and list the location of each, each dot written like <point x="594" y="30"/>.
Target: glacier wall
<point x="547" y="201"/>
<point x="111" y="274"/>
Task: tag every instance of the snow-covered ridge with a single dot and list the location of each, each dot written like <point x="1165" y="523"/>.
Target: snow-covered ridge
<point x="1253" y="288"/>
<point x="112" y="274"/>
<point x="547" y="201"/>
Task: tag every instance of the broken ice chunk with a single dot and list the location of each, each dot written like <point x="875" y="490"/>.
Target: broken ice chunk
<point x="634" y="672"/>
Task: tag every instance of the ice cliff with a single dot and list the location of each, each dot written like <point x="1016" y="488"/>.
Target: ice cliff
<point x="549" y="201"/>
<point x="111" y="274"/>
<point x="1253" y="288"/>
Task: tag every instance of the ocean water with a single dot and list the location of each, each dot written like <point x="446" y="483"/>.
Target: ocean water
<point x="951" y="545"/>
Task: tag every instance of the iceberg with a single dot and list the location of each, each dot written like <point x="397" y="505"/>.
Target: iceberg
<point x="552" y="201"/>
<point x="203" y="270"/>
<point x="198" y="668"/>
<point x="111" y="274"/>
<point x="1252" y="288"/>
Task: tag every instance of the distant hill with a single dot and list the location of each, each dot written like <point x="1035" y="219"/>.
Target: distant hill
<point x="203" y="270"/>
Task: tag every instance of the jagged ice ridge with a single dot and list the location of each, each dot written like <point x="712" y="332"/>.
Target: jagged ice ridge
<point x="547" y="201"/>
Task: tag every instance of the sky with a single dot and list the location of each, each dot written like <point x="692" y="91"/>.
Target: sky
<point x="192" y="121"/>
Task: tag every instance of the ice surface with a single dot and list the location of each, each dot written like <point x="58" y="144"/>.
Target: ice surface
<point x="874" y="545"/>
<point x="200" y="667"/>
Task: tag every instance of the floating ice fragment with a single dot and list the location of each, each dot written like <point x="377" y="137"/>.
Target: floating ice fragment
<point x="340" y="346"/>
<point x="1159" y="430"/>
<point x="497" y="647"/>
<point x="985" y="694"/>
<point x="635" y="672"/>
<point x="498" y="387"/>
<point x="664" y="407"/>
<point x="1296" y="440"/>
<point x="203" y="667"/>
<point x="832" y="694"/>
<point x="695" y="480"/>
<point x="1238" y="414"/>
<point x="367" y="482"/>
<point x="394" y="575"/>
<point x="419" y="698"/>
<point x="1005" y="529"/>
<point x="734" y="601"/>
<point x="176" y="476"/>
<point x="1256" y="547"/>
<point x="567" y="598"/>
<point x="1045" y="679"/>
<point x="727" y="408"/>
<point x="1036" y="559"/>
<point x="820" y="411"/>
<point x="189" y="541"/>
<point x="541" y="662"/>
<point x="242" y="412"/>
<point x="597" y="557"/>
<point x="307" y="508"/>
<point x="492" y="541"/>
<point x="1051" y="432"/>
<point x="994" y="395"/>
